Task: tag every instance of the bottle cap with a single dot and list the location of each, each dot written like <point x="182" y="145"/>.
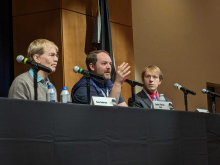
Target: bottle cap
<point x="50" y="86"/>
<point x="64" y="88"/>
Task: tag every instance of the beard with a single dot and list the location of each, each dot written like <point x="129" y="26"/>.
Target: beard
<point x="107" y="75"/>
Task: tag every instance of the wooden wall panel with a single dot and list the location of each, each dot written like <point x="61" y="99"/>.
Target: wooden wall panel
<point x="122" y="41"/>
<point x="21" y="7"/>
<point x="87" y="7"/>
<point x="120" y="10"/>
<point x="27" y="28"/>
<point x="77" y="33"/>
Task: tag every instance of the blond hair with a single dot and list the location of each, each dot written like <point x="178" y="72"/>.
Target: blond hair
<point x="153" y="68"/>
<point x="39" y="47"/>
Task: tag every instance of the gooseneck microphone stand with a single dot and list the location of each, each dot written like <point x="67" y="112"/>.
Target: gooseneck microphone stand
<point x="35" y="69"/>
<point x="88" y="87"/>
<point x="132" y="94"/>
<point x="213" y="104"/>
<point x="133" y="84"/>
<point x="186" y="92"/>
<point x="185" y="99"/>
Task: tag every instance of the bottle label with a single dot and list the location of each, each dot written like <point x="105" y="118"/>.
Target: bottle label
<point x="51" y="97"/>
<point x="65" y="98"/>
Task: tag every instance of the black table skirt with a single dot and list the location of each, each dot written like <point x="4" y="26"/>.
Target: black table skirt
<point x="35" y="132"/>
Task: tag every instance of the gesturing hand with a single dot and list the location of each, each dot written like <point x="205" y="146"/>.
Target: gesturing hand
<point x="122" y="72"/>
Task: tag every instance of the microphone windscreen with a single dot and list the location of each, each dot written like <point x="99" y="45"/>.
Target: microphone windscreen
<point x="203" y="90"/>
<point x="176" y="85"/>
<point x="20" y="58"/>
<point x="76" y="69"/>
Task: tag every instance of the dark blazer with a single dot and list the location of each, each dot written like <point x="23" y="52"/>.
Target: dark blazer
<point x="142" y="100"/>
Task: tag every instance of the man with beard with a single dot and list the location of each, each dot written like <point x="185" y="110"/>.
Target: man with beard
<point x="41" y="51"/>
<point x="99" y="62"/>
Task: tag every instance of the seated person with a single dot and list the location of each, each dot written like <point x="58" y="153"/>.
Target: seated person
<point x="99" y="62"/>
<point x="152" y="78"/>
<point x="41" y="51"/>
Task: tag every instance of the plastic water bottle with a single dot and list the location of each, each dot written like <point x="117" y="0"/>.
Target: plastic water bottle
<point x="51" y="94"/>
<point x="65" y="96"/>
<point x="161" y="97"/>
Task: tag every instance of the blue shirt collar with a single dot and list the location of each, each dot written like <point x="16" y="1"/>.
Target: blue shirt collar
<point x="39" y="78"/>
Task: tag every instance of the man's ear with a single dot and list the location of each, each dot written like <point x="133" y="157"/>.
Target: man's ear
<point x="160" y="82"/>
<point x="36" y="58"/>
<point x="92" y="66"/>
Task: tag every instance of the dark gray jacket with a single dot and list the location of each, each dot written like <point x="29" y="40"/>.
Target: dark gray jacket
<point x="142" y="100"/>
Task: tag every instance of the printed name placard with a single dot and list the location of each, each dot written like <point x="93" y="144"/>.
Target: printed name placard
<point x="162" y="105"/>
<point x="202" y="110"/>
<point x="103" y="101"/>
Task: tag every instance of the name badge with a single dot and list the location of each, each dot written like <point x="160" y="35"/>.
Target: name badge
<point x="103" y="101"/>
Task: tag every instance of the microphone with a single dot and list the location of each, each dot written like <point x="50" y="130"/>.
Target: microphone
<point x="132" y="82"/>
<point x="210" y="93"/>
<point x="177" y="86"/>
<point x="76" y="69"/>
<point x="21" y="59"/>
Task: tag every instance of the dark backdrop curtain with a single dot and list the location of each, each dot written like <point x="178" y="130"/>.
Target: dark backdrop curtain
<point x="6" y="47"/>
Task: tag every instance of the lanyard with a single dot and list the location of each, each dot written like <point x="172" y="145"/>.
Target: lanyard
<point x="103" y="93"/>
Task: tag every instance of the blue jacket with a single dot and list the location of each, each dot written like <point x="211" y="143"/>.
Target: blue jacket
<point x="82" y="82"/>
